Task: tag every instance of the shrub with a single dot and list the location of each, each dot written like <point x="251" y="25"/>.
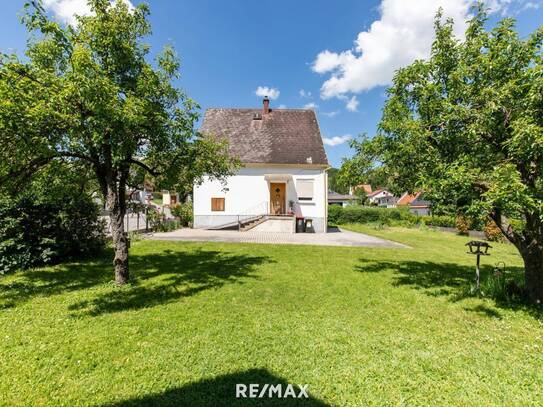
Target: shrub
<point x="438" y="220"/>
<point x="368" y="214"/>
<point x="462" y="224"/>
<point x="183" y="211"/>
<point x="154" y="217"/>
<point x="504" y="286"/>
<point x="492" y="232"/>
<point x="35" y="231"/>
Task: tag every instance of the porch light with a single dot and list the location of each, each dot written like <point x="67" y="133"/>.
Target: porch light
<point x="478" y="249"/>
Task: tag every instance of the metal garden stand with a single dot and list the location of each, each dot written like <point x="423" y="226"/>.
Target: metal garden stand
<point x="479" y="249"/>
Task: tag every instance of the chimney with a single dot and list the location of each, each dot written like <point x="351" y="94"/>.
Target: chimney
<point x="266" y="105"/>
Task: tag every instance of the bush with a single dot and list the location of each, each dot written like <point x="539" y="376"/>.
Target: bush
<point x="369" y="214"/>
<point x="154" y="217"/>
<point x="443" y="221"/>
<point x="504" y="286"/>
<point x="183" y="211"/>
<point x="462" y="224"/>
<point x="492" y="232"/>
<point x="34" y="231"/>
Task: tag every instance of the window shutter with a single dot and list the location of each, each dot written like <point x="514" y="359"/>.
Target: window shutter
<point x="304" y="188"/>
<point x="217" y="204"/>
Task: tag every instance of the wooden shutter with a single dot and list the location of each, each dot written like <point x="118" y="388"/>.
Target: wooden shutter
<point x="217" y="204"/>
<point x="304" y="188"/>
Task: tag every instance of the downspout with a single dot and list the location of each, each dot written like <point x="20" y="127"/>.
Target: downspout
<point x="326" y="199"/>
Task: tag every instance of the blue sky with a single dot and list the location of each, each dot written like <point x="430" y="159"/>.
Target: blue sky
<point x="337" y="55"/>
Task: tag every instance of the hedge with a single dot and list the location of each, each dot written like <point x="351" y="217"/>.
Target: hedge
<point x="35" y="232"/>
<point x="386" y="216"/>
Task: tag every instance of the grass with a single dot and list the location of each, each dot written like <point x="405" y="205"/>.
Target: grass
<point x="360" y="326"/>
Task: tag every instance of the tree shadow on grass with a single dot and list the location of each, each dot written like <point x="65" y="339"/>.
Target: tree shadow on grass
<point x="157" y="278"/>
<point x="446" y="279"/>
<point x="58" y="279"/>
<point x="221" y="391"/>
<point x="168" y="276"/>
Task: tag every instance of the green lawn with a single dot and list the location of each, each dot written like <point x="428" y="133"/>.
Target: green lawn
<point x="360" y="326"/>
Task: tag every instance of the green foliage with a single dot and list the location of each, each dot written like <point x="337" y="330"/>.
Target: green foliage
<point x="89" y="94"/>
<point x="154" y="217"/>
<point x="462" y="224"/>
<point x="37" y="230"/>
<point x="492" y="232"/>
<point x="361" y="168"/>
<point x="183" y="211"/>
<point x="503" y="286"/>
<point x="466" y="127"/>
<point x="370" y="214"/>
<point x="444" y="221"/>
<point x="385" y="216"/>
<point x="334" y="184"/>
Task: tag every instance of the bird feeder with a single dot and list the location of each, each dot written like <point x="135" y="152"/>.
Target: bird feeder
<point x="478" y="249"/>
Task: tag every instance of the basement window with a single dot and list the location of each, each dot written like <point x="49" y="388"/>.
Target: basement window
<point x="217" y="204"/>
<point x="304" y="189"/>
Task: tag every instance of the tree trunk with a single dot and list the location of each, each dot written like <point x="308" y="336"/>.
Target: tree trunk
<point x="117" y="210"/>
<point x="533" y="272"/>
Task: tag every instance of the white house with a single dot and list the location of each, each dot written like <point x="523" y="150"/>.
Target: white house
<point x="283" y="177"/>
<point x="382" y="198"/>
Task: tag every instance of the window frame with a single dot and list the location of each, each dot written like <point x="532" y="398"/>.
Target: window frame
<point x="222" y="204"/>
<point x="305" y="198"/>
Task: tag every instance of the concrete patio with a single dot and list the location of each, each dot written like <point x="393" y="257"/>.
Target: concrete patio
<point x="335" y="237"/>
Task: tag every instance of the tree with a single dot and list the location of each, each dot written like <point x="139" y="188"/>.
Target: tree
<point x="362" y="167"/>
<point x="88" y="94"/>
<point x="333" y="184"/>
<point x="466" y="126"/>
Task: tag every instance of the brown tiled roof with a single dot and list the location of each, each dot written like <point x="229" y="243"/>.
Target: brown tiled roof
<point x="283" y="136"/>
<point x="406" y="198"/>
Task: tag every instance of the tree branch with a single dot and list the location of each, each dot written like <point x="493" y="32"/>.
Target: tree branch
<point x="150" y="170"/>
<point x="75" y="155"/>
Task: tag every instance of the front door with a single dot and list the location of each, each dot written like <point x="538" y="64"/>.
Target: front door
<point x="277" y="198"/>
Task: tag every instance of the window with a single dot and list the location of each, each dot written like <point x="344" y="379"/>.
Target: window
<point x="304" y="188"/>
<point x="217" y="204"/>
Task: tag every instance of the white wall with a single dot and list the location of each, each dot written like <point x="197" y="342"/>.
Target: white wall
<point x="248" y="192"/>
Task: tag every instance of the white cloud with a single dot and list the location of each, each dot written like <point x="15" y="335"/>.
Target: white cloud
<point x="331" y="114"/>
<point x="304" y="94"/>
<point x="282" y="106"/>
<point x="352" y="104"/>
<point x="336" y="140"/>
<point x="506" y="7"/>
<point x="532" y="5"/>
<point x="311" y="105"/>
<point x="403" y="33"/>
<point x="272" y="93"/>
<point x="66" y="10"/>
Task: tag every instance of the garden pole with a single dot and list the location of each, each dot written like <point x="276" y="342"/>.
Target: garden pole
<point x="477" y="271"/>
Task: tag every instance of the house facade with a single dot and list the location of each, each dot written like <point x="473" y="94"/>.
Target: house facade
<point x="283" y="177"/>
<point x="341" y="199"/>
<point x="382" y="198"/>
<point x="415" y="202"/>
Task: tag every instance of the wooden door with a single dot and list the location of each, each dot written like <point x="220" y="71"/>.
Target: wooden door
<point x="278" y="198"/>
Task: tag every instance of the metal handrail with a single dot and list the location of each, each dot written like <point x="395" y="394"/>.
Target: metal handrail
<point x="255" y="212"/>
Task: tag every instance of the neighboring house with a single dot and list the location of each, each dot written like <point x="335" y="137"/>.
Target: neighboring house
<point x="416" y="204"/>
<point x="382" y="198"/>
<point x="283" y="174"/>
<point x="339" y="199"/>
